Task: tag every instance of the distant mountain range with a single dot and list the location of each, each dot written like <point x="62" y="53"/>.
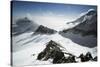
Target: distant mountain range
<point x="84" y="33"/>
<point x="23" y="25"/>
<point x="42" y="45"/>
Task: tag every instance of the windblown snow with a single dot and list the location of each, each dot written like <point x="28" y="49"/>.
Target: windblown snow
<point x="27" y="47"/>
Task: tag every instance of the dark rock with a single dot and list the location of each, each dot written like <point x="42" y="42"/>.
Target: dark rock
<point x="82" y="58"/>
<point x="41" y="55"/>
<point x="70" y="59"/>
<point x="58" y="57"/>
<point x="50" y="51"/>
<point x="54" y="52"/>
<point x="86" y="57"/>
<point x="95" y="58"/>
<point x="44" y="30"/>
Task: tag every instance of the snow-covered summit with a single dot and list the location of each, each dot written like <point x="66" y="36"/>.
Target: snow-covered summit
<point x="86" y="16"/>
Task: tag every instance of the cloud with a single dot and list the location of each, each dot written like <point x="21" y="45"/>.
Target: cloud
<point x="50" y="19"/>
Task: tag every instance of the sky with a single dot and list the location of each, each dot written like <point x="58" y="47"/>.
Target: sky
<point x="52" y="15"/>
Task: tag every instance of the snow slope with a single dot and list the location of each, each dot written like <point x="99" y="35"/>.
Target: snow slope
<point x="26" y="48"/>
<point x="85" y="33"/>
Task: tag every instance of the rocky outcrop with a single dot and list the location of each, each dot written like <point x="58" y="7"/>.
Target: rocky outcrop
<point x="86" y="57"/>
<point x="50" y="51"/>
<point x="53" y="51"/>
<point x="95" y="58"/>
<point x="44" y="30"/>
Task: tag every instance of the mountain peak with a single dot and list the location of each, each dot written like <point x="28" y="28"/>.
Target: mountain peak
<point x="91" y="12"/>
<point x="44" y="30"/>
<point x="52" y="43"/>
<point x="86" y="16"/>
<point x="85" y="32"/>
<point x="23" y="25"/>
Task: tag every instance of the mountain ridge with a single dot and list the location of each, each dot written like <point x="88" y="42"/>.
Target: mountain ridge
<point x="23" y="25"/>
<point x="44" y="30"/>
<point x="85" y="33"/>
<point x="53" y="51"/>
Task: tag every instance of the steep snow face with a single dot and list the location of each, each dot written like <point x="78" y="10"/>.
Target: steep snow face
<point x="86" y="16"/>
<point x="26" y="48"/>
<point x="72" y="47"/>
<point x="85" y="32"/>
<point x="85" y="20"/>
<point x="89" y="16"/>
<point x="88" y="41"/>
